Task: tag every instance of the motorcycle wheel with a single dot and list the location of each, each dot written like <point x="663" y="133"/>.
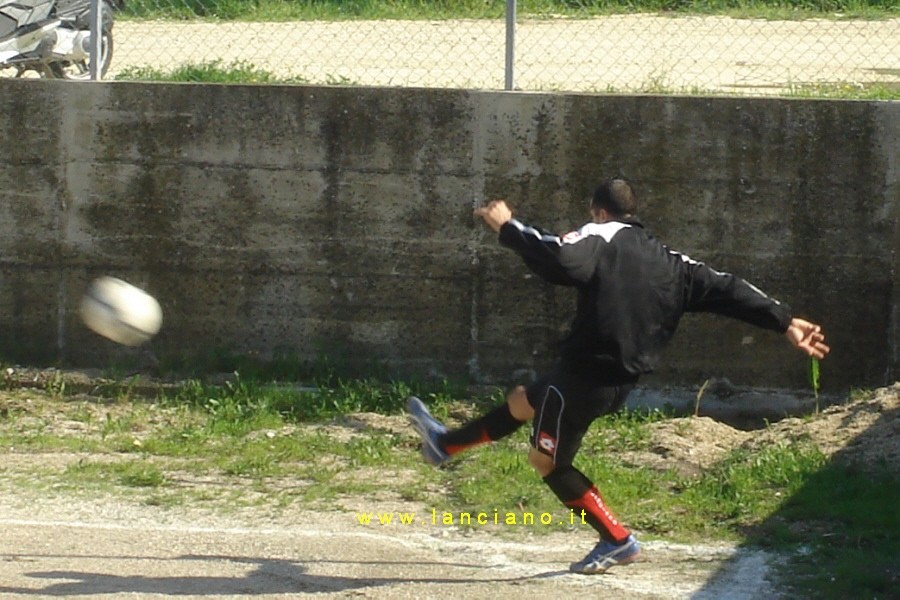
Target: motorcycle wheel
<point x="81" y="70"/>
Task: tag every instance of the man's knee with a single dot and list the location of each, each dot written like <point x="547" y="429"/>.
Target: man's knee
<point x="542" y="463"/>
<point x="519" y="407"/>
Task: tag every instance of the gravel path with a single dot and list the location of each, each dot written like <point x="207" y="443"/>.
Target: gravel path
<point x="622" y="52"/>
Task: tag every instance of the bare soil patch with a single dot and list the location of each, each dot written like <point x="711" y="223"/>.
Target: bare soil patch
<point x="863" y="432"/>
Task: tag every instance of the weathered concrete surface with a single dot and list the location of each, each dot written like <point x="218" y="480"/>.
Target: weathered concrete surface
<point x="305" y="219"/>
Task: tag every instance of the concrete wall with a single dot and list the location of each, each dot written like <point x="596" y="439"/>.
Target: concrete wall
<point x="268" y="218"/>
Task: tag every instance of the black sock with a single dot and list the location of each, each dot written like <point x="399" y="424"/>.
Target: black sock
<point x="578" y="493"/>
<point x="568" y="483"/>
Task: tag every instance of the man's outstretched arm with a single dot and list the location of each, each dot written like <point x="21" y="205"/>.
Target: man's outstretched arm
<point x="726" y="294"/>
<point x="541" y="250"/>
<point x="807" y="337"/>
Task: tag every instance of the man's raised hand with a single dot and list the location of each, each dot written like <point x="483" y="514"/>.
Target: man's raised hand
<point x="495" y="214"/>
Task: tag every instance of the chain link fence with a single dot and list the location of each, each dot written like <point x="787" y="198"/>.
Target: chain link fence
<point x="626" y="52"/>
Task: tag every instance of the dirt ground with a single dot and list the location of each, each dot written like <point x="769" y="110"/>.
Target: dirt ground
<point x="640" y="52"/>
<point x="102" y="547"/>
<point x="97" y="549"/>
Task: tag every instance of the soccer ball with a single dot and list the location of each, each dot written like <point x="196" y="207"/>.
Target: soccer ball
<point x="120" y="311"/>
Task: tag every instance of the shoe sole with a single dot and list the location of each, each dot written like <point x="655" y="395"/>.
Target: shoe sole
<point x="418" y="413"/>
<point x="418" y="416"/>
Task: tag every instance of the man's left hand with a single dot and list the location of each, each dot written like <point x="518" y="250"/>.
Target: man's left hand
<point x="807" y="337"/>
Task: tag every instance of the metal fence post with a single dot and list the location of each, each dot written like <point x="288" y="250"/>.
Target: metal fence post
<point x="510" y="42"/>
<point x="96" y="18"/>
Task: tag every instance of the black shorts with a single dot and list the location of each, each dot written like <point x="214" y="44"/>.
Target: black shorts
<point x="565" y="404"/>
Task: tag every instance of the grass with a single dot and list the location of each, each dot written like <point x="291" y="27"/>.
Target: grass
<point x="134" y="473"/>
<point x="846" y="91"/>
<point x="207" y="72"/>
<point x="241" y="72"/>
<point x="276" y="444"/>
<point x="331" y="10"/>
<point x="243" y="405"/>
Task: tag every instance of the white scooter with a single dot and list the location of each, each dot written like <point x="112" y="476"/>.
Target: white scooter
<point x="52" y="37"/>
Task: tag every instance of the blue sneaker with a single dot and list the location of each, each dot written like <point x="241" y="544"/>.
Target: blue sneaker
<point x="429" y="428"/>
<point x="606" y="555"/>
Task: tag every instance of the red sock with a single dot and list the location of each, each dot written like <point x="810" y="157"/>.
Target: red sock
<point x="479" y="437"/>
<point x="598" y="516"/>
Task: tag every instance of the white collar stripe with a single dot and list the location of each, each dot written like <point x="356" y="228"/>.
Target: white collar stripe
<point x="606" y="230"/>
<point x="550" y="239"/>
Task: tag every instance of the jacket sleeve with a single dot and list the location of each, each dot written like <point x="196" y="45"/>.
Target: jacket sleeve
<point x="546" y="254"/>
<point x="708" y="290"/>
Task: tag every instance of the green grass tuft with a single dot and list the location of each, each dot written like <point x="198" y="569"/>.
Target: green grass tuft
<point x="214" y="71"/>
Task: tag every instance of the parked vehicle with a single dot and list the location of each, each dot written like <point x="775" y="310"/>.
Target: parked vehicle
<point x="52" y="37"/>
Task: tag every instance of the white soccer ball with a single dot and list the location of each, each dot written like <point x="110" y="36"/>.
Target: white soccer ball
<point x="120" y="311"/>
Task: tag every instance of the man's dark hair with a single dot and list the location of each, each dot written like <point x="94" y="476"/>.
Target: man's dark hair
<point x="616" y="197"/>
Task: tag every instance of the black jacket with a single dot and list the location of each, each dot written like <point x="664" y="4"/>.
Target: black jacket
<point x="632" y="291"/>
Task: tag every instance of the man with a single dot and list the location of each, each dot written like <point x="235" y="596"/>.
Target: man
<point x="632" y="291"/>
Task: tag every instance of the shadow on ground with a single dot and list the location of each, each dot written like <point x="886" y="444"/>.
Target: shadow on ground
<point x="839" y="535"/>
<point x="268" y="577"/>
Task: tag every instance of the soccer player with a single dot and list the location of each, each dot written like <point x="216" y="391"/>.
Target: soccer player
<point x="632" y="291"/>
